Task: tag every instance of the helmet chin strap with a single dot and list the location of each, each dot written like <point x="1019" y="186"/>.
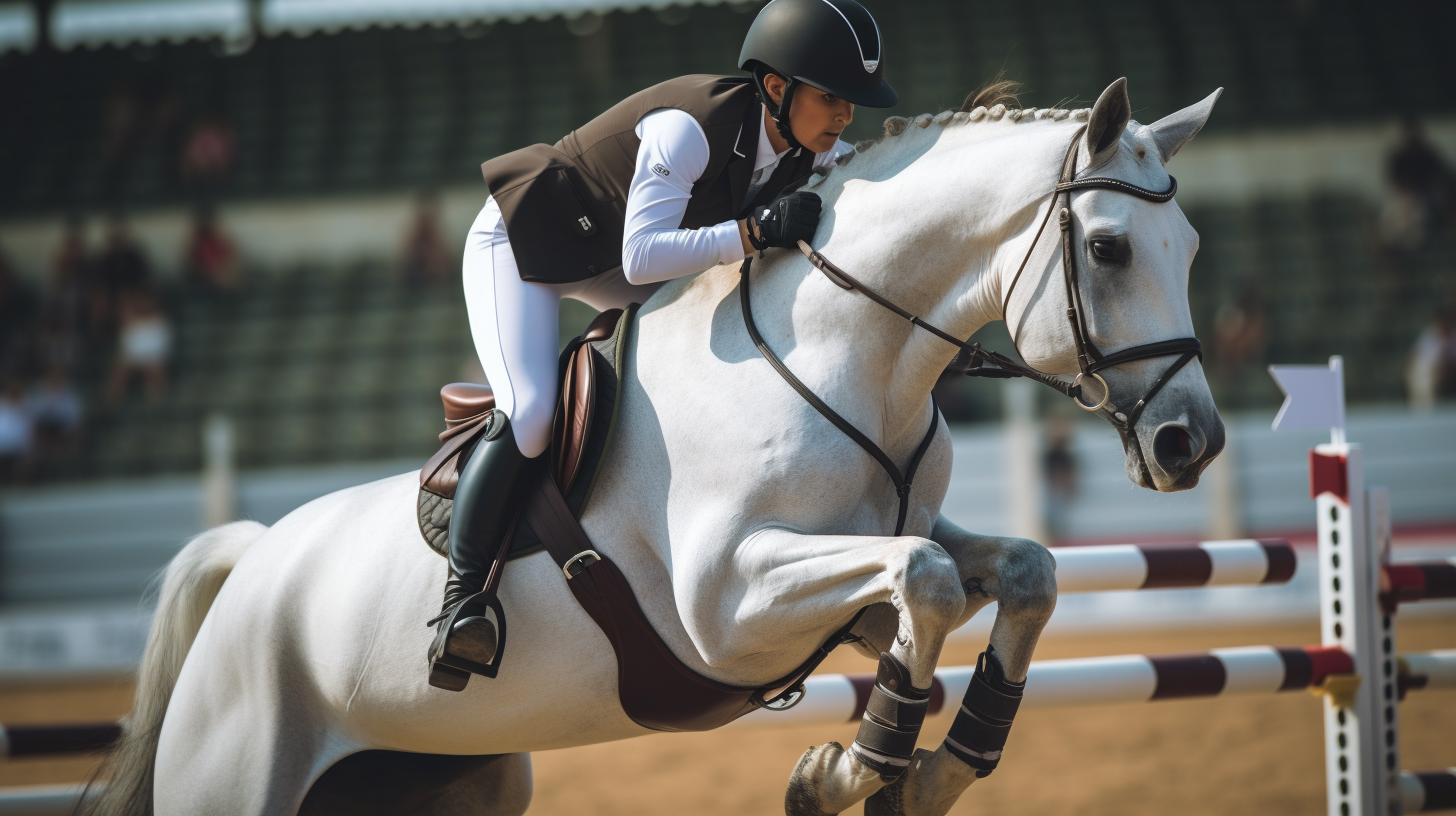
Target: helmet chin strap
<point x="779" y="113"/>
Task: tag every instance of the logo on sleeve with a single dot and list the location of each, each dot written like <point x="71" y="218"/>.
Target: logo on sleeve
<point x="661" y="171"/>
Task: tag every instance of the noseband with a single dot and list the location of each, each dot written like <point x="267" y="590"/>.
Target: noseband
<point x="976" y="361"/>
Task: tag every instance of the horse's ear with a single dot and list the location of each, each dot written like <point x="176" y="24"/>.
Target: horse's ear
<point x="1177" y="129"/>
<point x="1107" y="121"/>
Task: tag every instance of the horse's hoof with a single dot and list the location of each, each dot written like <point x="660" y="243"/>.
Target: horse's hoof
<point x="444" y="677"/>
<point x="806" y="784"/>
<point x="473" y="639"/>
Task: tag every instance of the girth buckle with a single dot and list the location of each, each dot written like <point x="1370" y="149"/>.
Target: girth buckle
<point x="578" y="563"/>
<point x="783" y="701"/>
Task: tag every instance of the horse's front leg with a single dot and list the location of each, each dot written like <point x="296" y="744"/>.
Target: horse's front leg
<point x="799" y="581"/>
<point x="1020" y="576"/>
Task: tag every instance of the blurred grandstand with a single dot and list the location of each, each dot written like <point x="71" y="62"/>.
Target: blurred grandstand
<point x="324" y="352"/>
<point x="230" y="239"/>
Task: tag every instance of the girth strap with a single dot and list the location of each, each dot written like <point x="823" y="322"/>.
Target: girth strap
<point x="656" y="689"/>
<point x="901" y="481"/>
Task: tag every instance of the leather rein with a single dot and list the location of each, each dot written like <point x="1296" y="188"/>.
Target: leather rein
<point x="983" y="362"/>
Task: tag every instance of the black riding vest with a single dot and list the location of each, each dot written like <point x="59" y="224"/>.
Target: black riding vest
<point x="565" y="204"/>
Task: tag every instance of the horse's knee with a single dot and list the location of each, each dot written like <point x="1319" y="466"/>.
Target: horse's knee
<point x="929" y="583"/>
<point x="1028" y="578"/>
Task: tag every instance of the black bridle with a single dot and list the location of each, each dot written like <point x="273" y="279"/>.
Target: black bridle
<point x="1090" y="359"/>
<point x="982" y="362"/>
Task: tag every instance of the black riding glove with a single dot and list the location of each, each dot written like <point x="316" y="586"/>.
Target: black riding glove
<point x="785" y="221"/>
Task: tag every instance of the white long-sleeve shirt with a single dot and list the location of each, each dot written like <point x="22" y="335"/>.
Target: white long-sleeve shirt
<point x="672" y="157"/>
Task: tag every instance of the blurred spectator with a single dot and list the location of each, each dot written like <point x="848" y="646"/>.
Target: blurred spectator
<point x="425" y="258"/>
<point x="56" y="344"/>
<point x="143" y="348"/>
<point x="56" y="413"/>
<point x="15" y="435"/>
<point x="119" y="119"/>
<point x="1422" y="189"/>
<point x="162" y="123"/>
<point x="17" y="311"/>
<point x="66" y="296"/>
<point x="121" y="270"/>
<point x="1431" y="374"/>
<point x="1059" y="470"/>
<point x="1240" y="333"/>
<point x="211" y="260"/>
<point x="207" y="153"/>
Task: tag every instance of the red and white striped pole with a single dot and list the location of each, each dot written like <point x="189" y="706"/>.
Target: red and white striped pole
<point x="1113" y="567"/>
<point x="832" y="699"/>
<point x="1426" y="791"/>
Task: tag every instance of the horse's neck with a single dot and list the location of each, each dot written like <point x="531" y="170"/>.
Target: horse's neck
<point x="932" y="219"/>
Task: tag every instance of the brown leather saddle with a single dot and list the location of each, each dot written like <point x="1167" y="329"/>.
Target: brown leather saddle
<point x="587" y="399"/>
<point x="655" y="688"/>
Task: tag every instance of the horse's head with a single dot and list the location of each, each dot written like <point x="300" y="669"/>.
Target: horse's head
<point x="1131" y="258"/>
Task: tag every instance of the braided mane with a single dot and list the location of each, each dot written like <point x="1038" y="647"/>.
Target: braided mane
<point x="989" y="103"/>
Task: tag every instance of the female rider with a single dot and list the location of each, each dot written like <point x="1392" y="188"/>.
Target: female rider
<point x="673" y="180"/>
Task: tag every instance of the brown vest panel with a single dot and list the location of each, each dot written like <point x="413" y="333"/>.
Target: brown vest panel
<point x="565" y="205"/>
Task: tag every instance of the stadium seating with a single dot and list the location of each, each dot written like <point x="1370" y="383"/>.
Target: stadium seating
<point x="325" y="364"/>
<point x="391" y="109"/>
<point x="319" y="363"/>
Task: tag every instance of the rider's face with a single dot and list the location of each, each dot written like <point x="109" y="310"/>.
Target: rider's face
<point x="816" y="117"/>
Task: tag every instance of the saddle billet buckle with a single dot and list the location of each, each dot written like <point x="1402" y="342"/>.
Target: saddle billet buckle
<point x="578" y="563"/>
<point x="783" y="701"/>
<point x="1077" y="397"/>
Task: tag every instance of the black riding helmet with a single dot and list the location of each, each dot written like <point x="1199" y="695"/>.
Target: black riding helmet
<point x="833" y="45"/>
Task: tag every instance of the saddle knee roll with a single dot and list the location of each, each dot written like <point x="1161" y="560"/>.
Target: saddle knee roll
<point x="892" y="719"/>
<point x="978" y="735"/>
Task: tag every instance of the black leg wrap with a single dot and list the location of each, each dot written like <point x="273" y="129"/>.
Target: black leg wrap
<point x="981" y="727"/>
<point x="892" y="720"/>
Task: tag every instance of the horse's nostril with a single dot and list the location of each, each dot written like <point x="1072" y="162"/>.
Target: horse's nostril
<point x="1173" y="446"/>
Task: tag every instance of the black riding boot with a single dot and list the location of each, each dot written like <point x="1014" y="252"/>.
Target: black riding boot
<point x="486" y="498"/>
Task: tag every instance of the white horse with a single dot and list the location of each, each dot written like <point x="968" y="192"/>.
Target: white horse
<point x="285" y="669"/>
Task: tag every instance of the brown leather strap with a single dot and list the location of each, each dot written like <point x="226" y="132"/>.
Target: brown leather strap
<point x="901" y="481"/>
<point x="456" y="439"/>
<point x="552" y="520"/>
<point x="656" y="689"/>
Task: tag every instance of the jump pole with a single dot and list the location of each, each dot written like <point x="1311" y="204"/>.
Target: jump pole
<point x="838" y="699"/>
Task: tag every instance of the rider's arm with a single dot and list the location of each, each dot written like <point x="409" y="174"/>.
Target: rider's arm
<point x="672" y="157"/>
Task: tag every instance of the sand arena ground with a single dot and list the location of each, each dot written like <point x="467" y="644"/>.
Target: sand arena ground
<point x="1215" y="756"/>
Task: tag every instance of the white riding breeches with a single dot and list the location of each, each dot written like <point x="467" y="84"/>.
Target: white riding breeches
<point x="514" y="325"/>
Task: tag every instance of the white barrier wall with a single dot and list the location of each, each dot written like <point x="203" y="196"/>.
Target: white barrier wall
<point x="75" y="560"/>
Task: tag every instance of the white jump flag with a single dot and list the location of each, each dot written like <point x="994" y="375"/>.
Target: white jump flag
<point x="1314" y="397"/>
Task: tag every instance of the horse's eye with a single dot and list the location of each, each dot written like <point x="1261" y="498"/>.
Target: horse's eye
<point x="1106" y="250"/>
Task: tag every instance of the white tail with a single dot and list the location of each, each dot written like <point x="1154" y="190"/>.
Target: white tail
<point x="189" y="586"/>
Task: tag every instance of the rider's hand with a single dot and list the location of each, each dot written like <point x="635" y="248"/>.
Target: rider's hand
<point x="787" y="220"/>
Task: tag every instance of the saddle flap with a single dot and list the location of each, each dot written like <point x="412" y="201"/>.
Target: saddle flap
<point x="468" y="407"/>
<point x="571" y="427"/>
